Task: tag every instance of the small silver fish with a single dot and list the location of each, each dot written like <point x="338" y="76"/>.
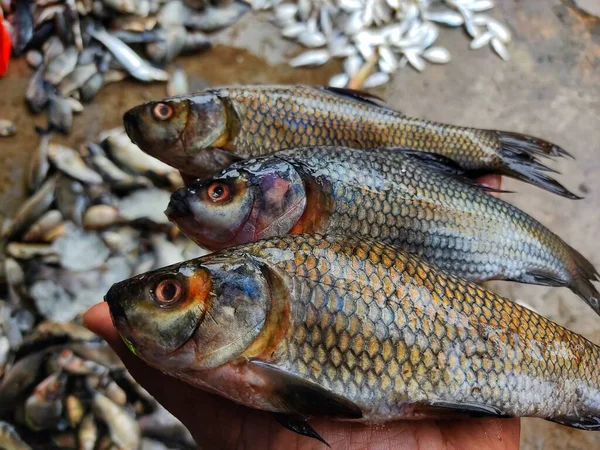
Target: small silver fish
<point x="61" y="66"/>
<point x="70" y="162"/>
<point x="135" y="65"/>
<point x="178" y="83"/>
<point x="60" y="114"/>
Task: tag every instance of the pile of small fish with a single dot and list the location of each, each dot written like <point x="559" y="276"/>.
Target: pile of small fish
<point x="381" y="36"/>
<point x="93" y="218"/>
<point x="78" y="46"/>
<point x="347" y="249"/>
<point x="66" y="388"/>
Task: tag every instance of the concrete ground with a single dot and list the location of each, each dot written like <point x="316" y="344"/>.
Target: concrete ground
<point x="550" y="88"/>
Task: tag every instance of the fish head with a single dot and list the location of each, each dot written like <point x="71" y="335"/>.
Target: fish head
<point x="176" y="129"/>
<point x="194" y="315"/>
<point x="252" y="200"/>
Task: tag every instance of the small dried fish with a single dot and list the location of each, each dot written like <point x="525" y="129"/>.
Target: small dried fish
<point x="70" y="162"/>
<point x="22" y="250"/>
<point x="88" y="433"/>
<point x="376" y="79"/>
<point x="481" y="40"/>
<point x="310" y="58"/>
<point x="44" y="229"/>
<point x="90" y="88"/>
<point x="101" y="216"/>
<point x="60" y="114"/>
<point x="76" y="78"/>
<point x="7" y="128"/>
<point x="214" y="18"/>
<point x="178" y="83"/>
<point x="500" y="49"/>
<point x="71" y="199"/>
<point x="34" y="58"/>
<point x="43" y="409"/>
<point x="10" y="439"/>
<point x="135" y="65"/>
<point x="75" y="410"/>
<point x="124" y="430"/>
<point x="32" y="209"/>
<point x="438" y="55"/>
<point x="61" y="66"/>
<point x="340" y="80"/>
<point x="36" y="94"/>
<point x="38" y="165"/>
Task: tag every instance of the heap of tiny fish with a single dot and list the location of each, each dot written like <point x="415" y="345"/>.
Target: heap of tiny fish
<point x="377" y="37"/>
<point x="94" y="217"/>
<point x="76" y="47"/>
<point x="66" y="387"/>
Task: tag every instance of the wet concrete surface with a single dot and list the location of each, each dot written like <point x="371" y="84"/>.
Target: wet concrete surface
<point x="550" y="88"/>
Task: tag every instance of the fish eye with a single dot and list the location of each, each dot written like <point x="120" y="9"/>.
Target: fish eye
<point x="168" y="292"/>
<point x="162" y="111"/>
<point x="218" y="192"/>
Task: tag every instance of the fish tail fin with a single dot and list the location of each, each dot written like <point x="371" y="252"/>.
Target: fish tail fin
<point x="520" y="153"/>
<point x="588" y="423"/>
<point x="581" y="280"/>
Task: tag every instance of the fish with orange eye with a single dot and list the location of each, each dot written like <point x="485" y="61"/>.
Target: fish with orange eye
<point x="416" y="201"/>
<point x="162" y="111"/>
<point x="350" y="328"/>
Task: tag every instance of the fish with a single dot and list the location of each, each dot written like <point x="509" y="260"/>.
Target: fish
<point x="36" y="94"/>
<point x="88" y="433"/>
<point x="213" y="18"/>
<point x="70" y="162"/>
<point x="412" y="199"/>
<point x="123" y="428"/>
<point x="45" y="229"/>
<point x="32" y="208"/>
<point x="21" y="26"/>
<point x="20" y="378"/>
<point x="75" y="410"/>
<point x="61" y="66"/>
<point x="347" y="328"/>
<point x="38" y="164"/>
<point x="135" y="66"/>
<point x="43" y="409"/>
<point x="257" y="120"/>
<point x="7" y="128"/>
<point x="60" y="114"/>
<point x="10" y="439"/>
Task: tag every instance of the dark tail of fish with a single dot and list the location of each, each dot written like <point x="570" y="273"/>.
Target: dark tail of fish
<point x="520" y="154"/>
<point x="582" y="275"/>
<point x="588" y="423"/>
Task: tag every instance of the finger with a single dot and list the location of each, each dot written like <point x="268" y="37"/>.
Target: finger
<point x="491" y="181"/>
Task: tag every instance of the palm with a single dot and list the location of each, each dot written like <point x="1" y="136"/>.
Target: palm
<point x="219" y="423"/>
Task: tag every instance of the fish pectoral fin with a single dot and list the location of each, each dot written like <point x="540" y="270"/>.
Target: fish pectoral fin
<point x="588" y="423"/>
<point x="443" y="409"/>
<point x="289" y="392"/>
<point x="356" y="95"/>
<point x="299" y="425"/>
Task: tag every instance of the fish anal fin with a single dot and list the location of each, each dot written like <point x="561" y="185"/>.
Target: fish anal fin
<point x="589" y="423"/>
<point x="299" y="425"/>
<point x="293" y="394"/>
<point x="456" y="410"/>
<point x="356" y="95"/>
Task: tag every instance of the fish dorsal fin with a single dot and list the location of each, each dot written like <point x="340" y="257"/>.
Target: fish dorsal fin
<point x="359" y="96"/>
<point x="292" y="394"/>
<point x="442" y="164"/>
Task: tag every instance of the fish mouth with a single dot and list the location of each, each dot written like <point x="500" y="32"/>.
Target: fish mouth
<point x="131" y="122"/>
<point x="117" y="311"/>
<point x="178" y="206"/>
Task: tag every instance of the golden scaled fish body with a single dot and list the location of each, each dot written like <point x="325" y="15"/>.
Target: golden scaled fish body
<point x="204" y="132"/>
<point x="357" y="330"/>
<point x="412" y="199"/>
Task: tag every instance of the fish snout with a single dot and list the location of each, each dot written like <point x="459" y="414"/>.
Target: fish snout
<point x="133" y="125"/>
<point x="114" y="300"/>
<point x="178" y="205"/>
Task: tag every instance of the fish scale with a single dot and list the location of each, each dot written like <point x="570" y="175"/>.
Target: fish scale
<point x="419" y="335"/>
